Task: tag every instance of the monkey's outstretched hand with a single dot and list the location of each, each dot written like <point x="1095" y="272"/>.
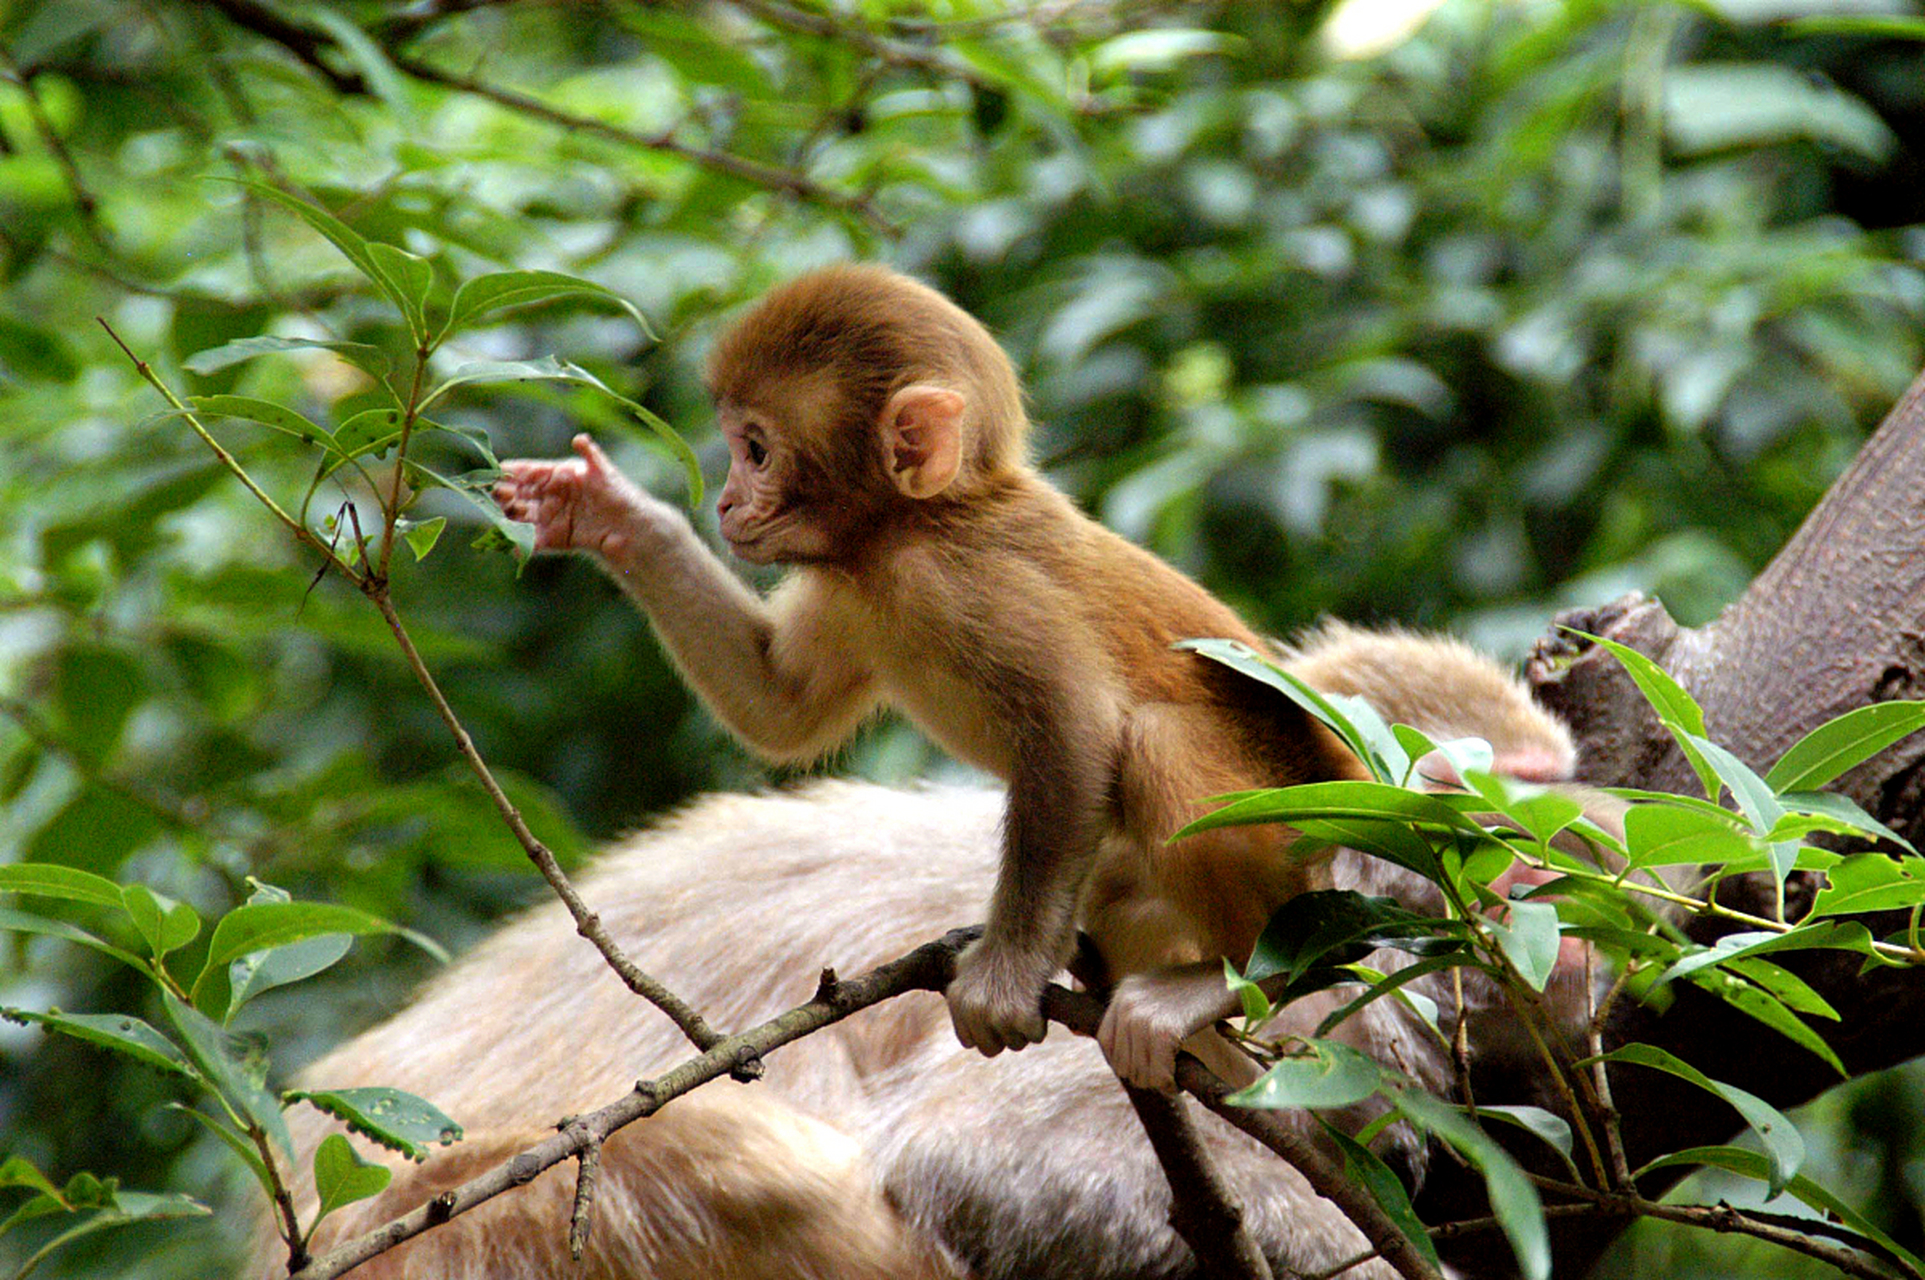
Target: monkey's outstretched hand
<point x="996" y="998"/>
<point x="579" y="504"/>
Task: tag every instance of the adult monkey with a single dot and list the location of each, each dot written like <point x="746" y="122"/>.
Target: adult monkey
<point x="876" y="435"/>
<point x="874" y="1148"/>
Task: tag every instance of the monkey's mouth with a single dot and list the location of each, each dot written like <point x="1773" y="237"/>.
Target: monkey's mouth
<point x="748" y="546"/>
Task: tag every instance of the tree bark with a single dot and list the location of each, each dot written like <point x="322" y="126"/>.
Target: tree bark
<point x="1836" y="621"/>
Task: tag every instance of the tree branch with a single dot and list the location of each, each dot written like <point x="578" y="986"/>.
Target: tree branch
<point x="927" y="968"/>
<point x="895" y="52"/>
<point x="587" y="923"/>
<point x="770" y="176"/>
<point x="1202" y="1210"/>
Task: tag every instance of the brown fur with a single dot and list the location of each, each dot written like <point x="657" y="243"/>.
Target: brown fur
<point x="874" y="1147"/>
<point x="876" y="437"/>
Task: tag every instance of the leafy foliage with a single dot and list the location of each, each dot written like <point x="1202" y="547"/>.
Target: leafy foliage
<point x="1316" y="941"/>
<point x="1518" y="310"/>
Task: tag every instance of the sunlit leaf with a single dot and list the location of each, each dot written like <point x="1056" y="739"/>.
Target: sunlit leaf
<point x="1328" y="1075"/>
<point x="49" y="880"/>
<point x="483" y="295"/>
<point x="1871" y="882"/>
<point x="1529" y="940"/>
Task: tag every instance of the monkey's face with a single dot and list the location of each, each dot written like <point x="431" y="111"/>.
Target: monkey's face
<point x="768" y="516"/>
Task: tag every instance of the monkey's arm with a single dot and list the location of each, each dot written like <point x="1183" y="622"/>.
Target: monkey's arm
<point x="780" y="673"/>
<point x="1059" y="791"/>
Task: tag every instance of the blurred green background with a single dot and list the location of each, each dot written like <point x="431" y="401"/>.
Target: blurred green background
<point x="1442" y="315"/>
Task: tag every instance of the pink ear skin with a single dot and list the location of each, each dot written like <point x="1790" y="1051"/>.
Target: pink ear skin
<point x="922" y="438"/>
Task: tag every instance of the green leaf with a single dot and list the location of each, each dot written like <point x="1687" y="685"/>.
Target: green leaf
<point x="1393" y="984"/>
<point x="235" y="1069"/>
<point x="1375" y="745"/>
<point x="235" y="1142"/>
<point x="1156" y="49"/>
<point x="1755" y="800"/>
<point x="265" y="412"/>
<point x="1765" y="1007"/>
<point x="342" y="1177"/>
<point x="1677" y="710"/>
<point x="411" y="277"/>
<point x="1389" y="840"/>
<point x="1662" y="835"/>
<point x="551" y="369"/>
<point x="18" y="1171"/>
<point x="1791" y="990"/>
<point x="1529" y="940"/>
<point x="1332" y="800"/>
<point x="50" y="880"/>
<point x="1329" y="1075"/>
<point x="98" y="688"/>
<point x="1362" y="1166"/>
<point x="1330" y="927"/>
<point x="1810" y="936"/>
<point x="1870" y="882"/>
<point x="1750" y="1164"/>
<point x="1841" y="813"/>
<point x="264" y="926"/>
<point x="398" y="1121"/>
<point x="1541" y="811"/>
<point x="501" y="289"/>
<point x="262" y="971"/>
<point x="422" y="537"/>
<point x="1514" y="1200"/>
<point x="1553" y="1129"/>
<point x="26" y="922"/>
<point x="122" y="1033"/>
<point x="1784" y="1146"/>
<point x="371" y="431"/>
<point x="1890" y="26"/>
<point x="369" y="359"/>
<point x="338" y="233"/>
<point x="164" y="924"/>
<point x="1838" y="745"/>
<point x="1250" y="997"/>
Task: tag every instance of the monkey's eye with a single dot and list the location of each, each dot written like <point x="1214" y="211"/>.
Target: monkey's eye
<point x="758" y="452"/>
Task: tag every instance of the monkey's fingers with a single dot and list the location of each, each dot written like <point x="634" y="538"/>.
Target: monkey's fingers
<point x="591" y="453"/>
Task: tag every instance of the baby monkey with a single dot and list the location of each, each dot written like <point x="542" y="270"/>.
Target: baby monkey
<point x="876" y="437"/>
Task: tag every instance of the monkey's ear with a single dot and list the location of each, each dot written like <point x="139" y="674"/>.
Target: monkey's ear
<point x="922" y="438"/>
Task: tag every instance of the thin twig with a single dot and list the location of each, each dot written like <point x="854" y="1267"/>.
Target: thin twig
<point x="1795" y="1234"/>
<point x="754" y="171"/>
<point x="895" y="52"/>
<point x="587" y="923"/>
<point x="582" y="1217"/>
<point x="300" y="531"/>
<point x="304" y="42"/>
<point x="1202" y="1209"/>
<point x="84" y="201"/>
<point x="927" y="968"/>
<point x="43" y="124"/>
<point x="1601" y="1078"/>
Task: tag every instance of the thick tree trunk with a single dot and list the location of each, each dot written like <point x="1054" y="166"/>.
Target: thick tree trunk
<point x="1836" y="621"/>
